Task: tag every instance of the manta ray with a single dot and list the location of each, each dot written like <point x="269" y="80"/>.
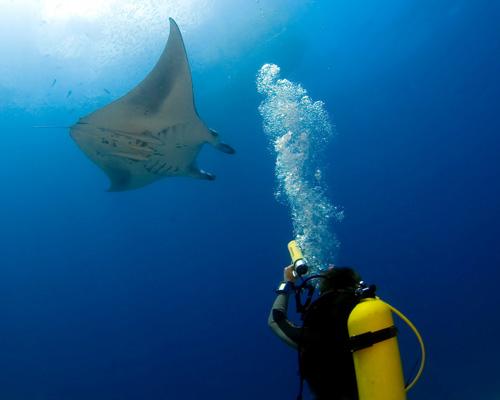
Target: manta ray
<point x="152" y="132"/>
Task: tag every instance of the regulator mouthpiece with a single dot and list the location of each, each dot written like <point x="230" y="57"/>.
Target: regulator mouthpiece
<point x="299" y="263"/>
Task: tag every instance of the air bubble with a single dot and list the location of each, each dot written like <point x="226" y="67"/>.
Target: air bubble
<point x="298" y="129"/>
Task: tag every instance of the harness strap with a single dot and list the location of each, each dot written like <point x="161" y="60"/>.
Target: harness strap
<point x="301" y="375"/>
<point x="368" y="339"/>
<point x="302" y="307"/>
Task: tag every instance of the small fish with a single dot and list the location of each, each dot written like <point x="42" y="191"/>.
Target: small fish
<point x="70" y="92"/>
<point x="53" y="83"/>
<point x="106" y="90"/>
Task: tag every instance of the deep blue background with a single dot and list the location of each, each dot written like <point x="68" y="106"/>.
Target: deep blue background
<point x="164" y="292"/>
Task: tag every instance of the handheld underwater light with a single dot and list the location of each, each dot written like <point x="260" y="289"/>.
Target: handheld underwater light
<point x="300" y="266"/>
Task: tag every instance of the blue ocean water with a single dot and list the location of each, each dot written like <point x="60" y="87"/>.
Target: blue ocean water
<point x="164" y="292"/>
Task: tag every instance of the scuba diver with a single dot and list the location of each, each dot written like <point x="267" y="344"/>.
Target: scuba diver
<point x="347" y="345"/>
<point x="325" y="358"/>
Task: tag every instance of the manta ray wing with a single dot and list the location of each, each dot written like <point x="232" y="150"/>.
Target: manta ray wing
<point x="154" y="130"/>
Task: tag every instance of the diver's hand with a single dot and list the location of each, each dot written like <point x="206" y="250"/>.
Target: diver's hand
<point x="288" y="274"/>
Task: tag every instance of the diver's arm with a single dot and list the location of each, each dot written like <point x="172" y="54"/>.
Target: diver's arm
<point x="279" y="323"/>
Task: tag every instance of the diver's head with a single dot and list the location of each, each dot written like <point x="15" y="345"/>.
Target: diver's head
<point x="339" y="278"/>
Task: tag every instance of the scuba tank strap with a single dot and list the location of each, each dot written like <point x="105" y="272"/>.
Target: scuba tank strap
<point x="368" y="339"/>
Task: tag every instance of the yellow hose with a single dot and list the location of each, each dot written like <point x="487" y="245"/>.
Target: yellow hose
<point x="420" y="340"/>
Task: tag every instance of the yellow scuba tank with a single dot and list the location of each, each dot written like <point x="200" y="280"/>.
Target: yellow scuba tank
<point x="377" y="361"/>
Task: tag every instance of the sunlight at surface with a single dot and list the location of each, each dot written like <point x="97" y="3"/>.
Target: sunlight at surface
<point x="187" y="12"/>
<point x="71" y="52"/>
<point x="111" y="29"/>
<point x="53" y="10"/>
<point x="298" y="129"/>
<point x="57" y="9"/>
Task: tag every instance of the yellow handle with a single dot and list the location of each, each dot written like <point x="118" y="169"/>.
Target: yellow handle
<point x="295" y="252"/>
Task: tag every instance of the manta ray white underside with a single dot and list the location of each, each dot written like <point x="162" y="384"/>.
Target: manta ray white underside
<point x="154" y="130"/>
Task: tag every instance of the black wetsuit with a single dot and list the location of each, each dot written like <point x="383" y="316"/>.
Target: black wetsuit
<point x="326" y="362"/>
